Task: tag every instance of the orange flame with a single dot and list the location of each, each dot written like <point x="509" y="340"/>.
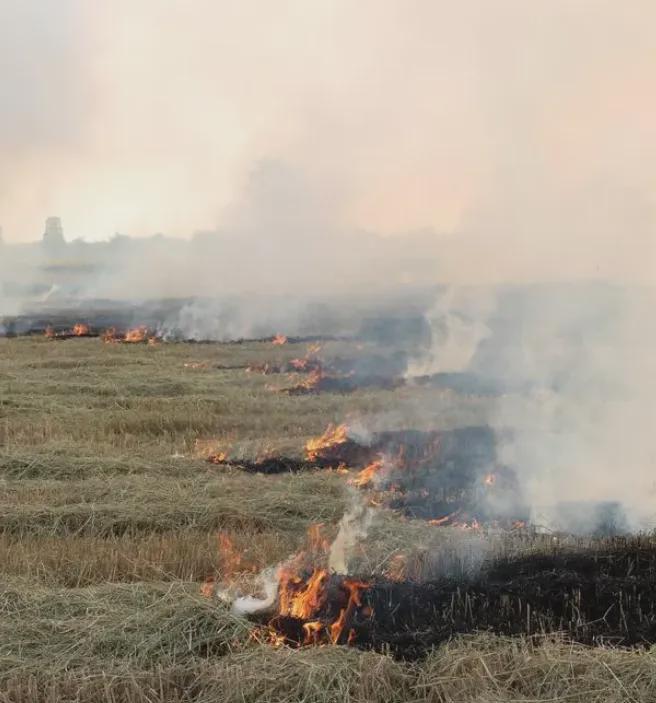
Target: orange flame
<point x="445" y="520"/>
<point x="279" y="340"/>
<point x="80" y="329"/>
<point x="490" y="479"/>
<point x="207" y="588"/>
<point x="300" y="599"/>
<point x="312" y="631"/>
<point x="49" y="332"/>
<point x="299" y="364"/>
<point x="313" y="380"/>
<point x="317" y="541"/>
<point x="136" y="335"/>
<point x="334" y="434"/>
<point x="368" y="474"/>
<point x="230" y="557"/>
<point x="303" y="599"/>
<point x="355" y="589"/>
<point x="109" y="335"/>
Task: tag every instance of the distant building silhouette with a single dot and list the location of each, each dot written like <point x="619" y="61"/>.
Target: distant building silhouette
<point x="53" y="237"/>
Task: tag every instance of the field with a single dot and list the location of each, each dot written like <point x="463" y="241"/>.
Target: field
<point x="110" y="518"/>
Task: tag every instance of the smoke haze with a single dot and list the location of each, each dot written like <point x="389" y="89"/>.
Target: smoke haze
<point x="294" y="153"/>
<point x="509" y="131"/>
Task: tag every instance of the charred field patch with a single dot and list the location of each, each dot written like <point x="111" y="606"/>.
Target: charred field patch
<point x="112" y="521"/>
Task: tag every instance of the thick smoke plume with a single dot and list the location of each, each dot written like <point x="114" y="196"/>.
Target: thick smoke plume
<point x="492" y="142"/>
<point x="576" y="372"/>
<point x="307" y="163"/>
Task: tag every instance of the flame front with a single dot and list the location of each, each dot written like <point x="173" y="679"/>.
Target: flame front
<point x="109" y="335"/>
<point x="311" y="383"/>
<point x="334" y="435"/>
<point x="81" y="329"/>
<point x="366" y="477"/>
<point x="279" y="340"/>
<point x="354" y="589"/>
<point x="302" y="599"/>
<point x="311" y="603"/>
<point x="308" y="599"/>
<point x="136" y="335"/>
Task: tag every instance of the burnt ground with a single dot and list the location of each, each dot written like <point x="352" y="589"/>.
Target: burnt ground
<point x="431" y="474"/>
<point x="607" y="597"/>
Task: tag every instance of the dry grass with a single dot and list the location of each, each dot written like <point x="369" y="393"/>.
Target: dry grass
<point x="478" y="669"/>
<point x="191" y="555"/>
<point x="51" y="630"/>
<point x="141" y="505"/>
<point x="108" y="522"/>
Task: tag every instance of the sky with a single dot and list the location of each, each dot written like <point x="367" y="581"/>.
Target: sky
<point x="522" y="130"/>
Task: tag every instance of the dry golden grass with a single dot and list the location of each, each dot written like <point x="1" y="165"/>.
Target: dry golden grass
<point x="109" y="520"/>
<point x="478" y="669"/>
<point x="132" y="505"/>
<point x="189" y="555"/>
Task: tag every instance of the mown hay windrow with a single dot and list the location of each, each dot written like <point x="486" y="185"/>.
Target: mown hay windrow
<point x="205" y="502"/>
<point x="50" y="630"/>
<point x="474" y="669"/>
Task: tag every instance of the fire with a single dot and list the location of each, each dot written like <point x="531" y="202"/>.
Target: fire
<point x="313" y="349"/>
<point x="279" y="340"/>
<point x="109" y="335"/>
<point x="49" y="332"/>
<point x="299" y="364"/>
<point x="317" y="541"/>
<point x="81" y="329"/>
<point x="136" y="335"/>
<point x="490" y="479"/>
<point x="207" y="588"/>
<point x="445" y="520"/>
<point x="230" y="557"/>
<point x="312" y="632"/>
<point x="264" y="454"/>
<point x="354" y="589"/>
<point x="312" y="605"/>
<point x="312" y="381"/>
<point x="218" y="458"/>
<point x="471" y="525"/>
<point x="334" y="435"/>
<point x="302" y="599"/>
<point x="368" y="474"/>
<point x="306" y="599"/>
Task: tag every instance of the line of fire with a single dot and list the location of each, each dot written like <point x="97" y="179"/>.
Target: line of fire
<point x="446" y="479"/>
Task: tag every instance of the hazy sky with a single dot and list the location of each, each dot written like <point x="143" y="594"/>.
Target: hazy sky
<point x="506" y="121"/>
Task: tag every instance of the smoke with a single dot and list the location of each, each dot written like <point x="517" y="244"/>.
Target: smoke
<point x="268" y="580"/>
<point x="297" y="162"/>
<point x="353" y="528"/>
<point x="457" y="322"/>
<point x="491" y="143"/>
<point x="577" y="363"/>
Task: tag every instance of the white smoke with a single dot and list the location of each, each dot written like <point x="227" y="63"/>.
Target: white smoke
<point x="458" y="326"/>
